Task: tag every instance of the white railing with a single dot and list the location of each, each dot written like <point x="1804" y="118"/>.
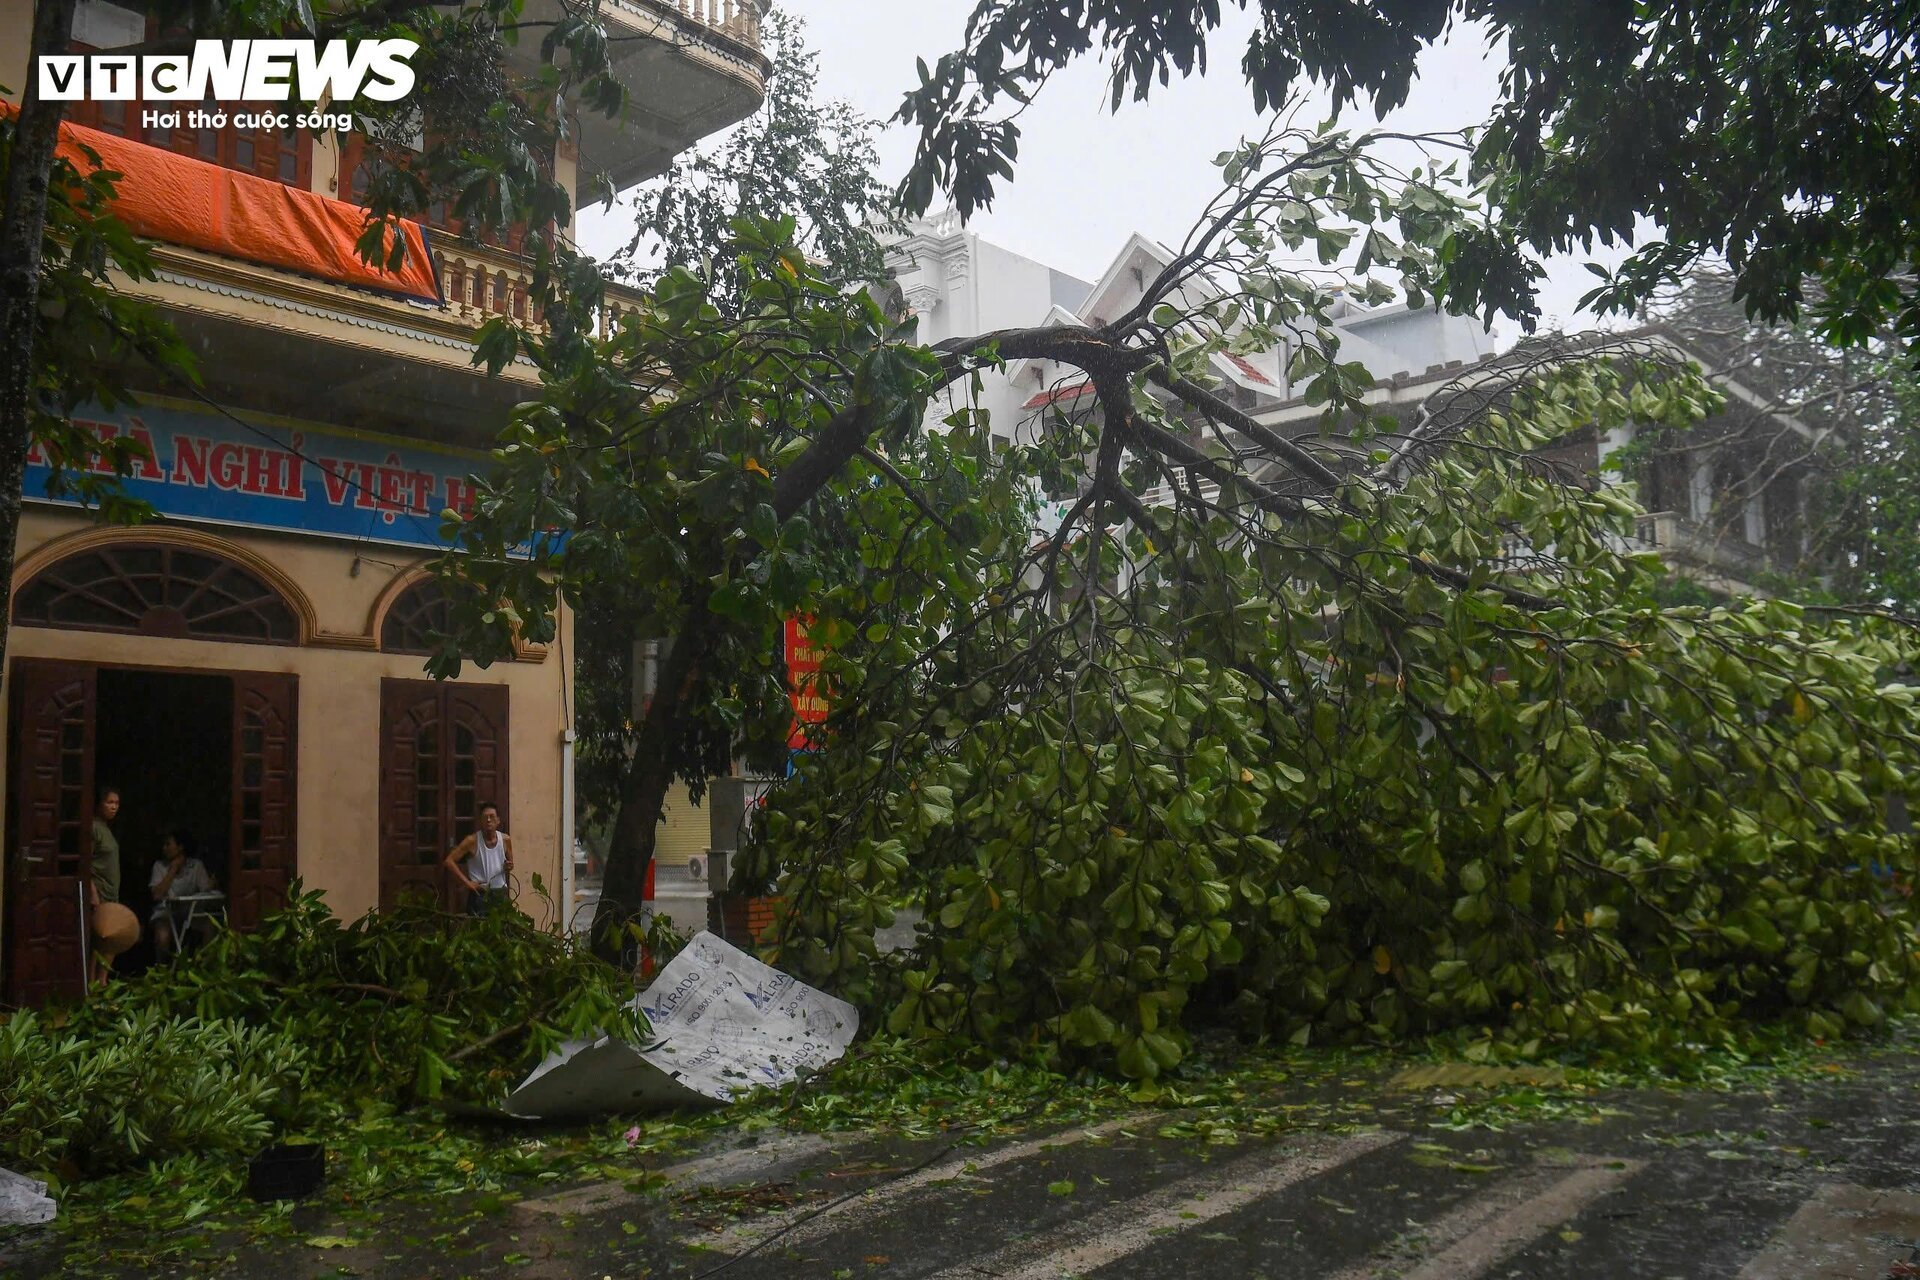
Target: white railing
<point x="1682" y="538"/>
<point x="736" y="19"/>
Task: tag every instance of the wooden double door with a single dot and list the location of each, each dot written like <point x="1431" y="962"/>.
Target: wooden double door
<point x="443" y="754"/>
<point x="54" y="728"/>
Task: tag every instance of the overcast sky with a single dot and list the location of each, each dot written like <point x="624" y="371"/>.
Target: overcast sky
<point x="1086" y="178"/>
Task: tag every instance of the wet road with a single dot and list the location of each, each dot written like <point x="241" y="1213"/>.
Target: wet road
<point x="1807" y="1181"/>
<point x="1812" y="1179"/>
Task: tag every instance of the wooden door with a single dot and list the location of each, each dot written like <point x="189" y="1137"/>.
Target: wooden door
<point x="264" y="858"/>
<point x="443" y="753"/>
<point x="51" y="844"/>
<point x="477" y="755"/>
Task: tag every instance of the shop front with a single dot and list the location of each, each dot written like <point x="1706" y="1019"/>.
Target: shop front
<point x="248" y="671"/>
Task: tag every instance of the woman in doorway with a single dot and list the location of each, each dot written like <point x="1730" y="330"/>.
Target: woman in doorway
<point x="103" y="882"/>
<point x="483" y="861"/>
<point x="177" y="874"/>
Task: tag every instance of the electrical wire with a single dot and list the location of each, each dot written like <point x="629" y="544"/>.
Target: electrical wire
<point x="346" y="478"/>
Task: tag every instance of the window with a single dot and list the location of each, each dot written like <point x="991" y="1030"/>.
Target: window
<point x="357" y="163"/>
<point x="157" y="590"/>
<point x="422" y="612"/>
<point x="282" y="155"/>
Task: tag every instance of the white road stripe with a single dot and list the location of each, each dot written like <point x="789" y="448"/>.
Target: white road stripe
<point x="1118" y="1230"/>
<point x="1499" y="1222"/>
<point x="705" y="1171"/>
<point x="962" y="1163"/>
<point x="1842" y="1233"/>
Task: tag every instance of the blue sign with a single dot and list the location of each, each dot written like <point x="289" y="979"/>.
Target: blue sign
<point x="204" y="466"/>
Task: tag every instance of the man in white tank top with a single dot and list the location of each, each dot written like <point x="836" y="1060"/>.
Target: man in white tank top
<point x="483" y="861"/>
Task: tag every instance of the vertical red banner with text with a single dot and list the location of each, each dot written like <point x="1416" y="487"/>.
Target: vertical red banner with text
<point x="803" y="678"/>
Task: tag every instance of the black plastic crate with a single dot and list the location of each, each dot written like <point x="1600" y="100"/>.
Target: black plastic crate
<point x="287" y="1172"/>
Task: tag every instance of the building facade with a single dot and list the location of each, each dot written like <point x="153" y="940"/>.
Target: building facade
<point x="1727" y="508"/>
<point x="249" y="667"/>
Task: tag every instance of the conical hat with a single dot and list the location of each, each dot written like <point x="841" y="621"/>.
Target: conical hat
<point x="115" y="929"/>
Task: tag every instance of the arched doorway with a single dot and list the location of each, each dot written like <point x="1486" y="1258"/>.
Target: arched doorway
<point x="443" y="754"/>
<point x="208" y="752"/>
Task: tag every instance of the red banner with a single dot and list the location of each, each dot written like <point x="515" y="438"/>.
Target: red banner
<point x="803" y="677"/>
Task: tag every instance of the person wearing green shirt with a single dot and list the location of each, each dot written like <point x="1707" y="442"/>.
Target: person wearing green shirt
<point x="106" y="851"/>
<point x="104" y="884"/>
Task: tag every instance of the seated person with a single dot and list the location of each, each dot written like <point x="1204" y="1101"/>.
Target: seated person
<point x="177" y="874"/>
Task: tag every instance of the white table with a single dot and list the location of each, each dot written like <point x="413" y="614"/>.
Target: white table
<point x="211" y="903"/>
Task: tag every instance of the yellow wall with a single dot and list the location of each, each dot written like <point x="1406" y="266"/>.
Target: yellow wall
<point x="337" y="747"/>
<point x="16" y="36"/>
<point x="685" y="830"/>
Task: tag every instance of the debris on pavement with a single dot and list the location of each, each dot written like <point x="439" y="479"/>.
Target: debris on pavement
<point x="723" y="1024"/>
<point x="24" y="1201"/>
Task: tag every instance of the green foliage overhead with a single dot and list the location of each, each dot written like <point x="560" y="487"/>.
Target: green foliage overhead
<point x="1779" y="135"/>
<point x="797" y="156"/>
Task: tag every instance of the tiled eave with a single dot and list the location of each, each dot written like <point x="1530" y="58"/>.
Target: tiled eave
<point x="202" y="282"/>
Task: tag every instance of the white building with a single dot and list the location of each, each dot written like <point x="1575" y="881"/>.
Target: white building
<point x="959" y="285"/>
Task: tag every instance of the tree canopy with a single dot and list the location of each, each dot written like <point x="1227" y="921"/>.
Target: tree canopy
<point x="1780" y="136"/>
<point x="799" y="156"/>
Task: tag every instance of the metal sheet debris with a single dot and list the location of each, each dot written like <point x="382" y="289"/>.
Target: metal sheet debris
<point x="723" y="1024"/>
<point x="24" y="1201"/>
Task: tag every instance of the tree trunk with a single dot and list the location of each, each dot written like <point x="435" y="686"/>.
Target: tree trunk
<point x="649" y="775"/>
<point x="23" y="221"/>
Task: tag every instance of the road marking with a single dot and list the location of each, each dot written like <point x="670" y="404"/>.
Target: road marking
<point x="1126" y="1227"/>
<point x="707" y="1171"/>
<point x="960" y="1164"/>
<point x="1497" y="1223"/>
<point x="1470" y="1075"/>
<point x="1843" y="1232"/>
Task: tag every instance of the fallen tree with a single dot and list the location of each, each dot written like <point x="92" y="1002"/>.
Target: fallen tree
<point x="1236" y="782"/>
<point x="1261" y="708"/>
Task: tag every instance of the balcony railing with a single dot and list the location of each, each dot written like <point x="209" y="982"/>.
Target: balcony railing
<point x="481" y="283"/>
<point x="737" y="20"/>
<point x="1682" y="539"/>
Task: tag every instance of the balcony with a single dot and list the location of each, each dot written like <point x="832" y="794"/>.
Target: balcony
<point x="696" y="69"/>
<point x="289" y="344"/>
<point x="1684" y="542"/>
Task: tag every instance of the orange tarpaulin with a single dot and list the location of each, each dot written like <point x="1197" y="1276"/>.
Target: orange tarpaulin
<point x="180" y="200"/>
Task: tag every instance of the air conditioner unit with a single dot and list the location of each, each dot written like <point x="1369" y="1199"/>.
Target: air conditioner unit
<point x="697" y="868"/>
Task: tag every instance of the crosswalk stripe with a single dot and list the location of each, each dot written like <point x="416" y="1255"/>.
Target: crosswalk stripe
<point x="704" y="1171"/>
<point x="1498" y="1222"/>
<point x="1843" y="1231"/>
<point x="1126" y="1227"/>
<point x="745" y="1235"/>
